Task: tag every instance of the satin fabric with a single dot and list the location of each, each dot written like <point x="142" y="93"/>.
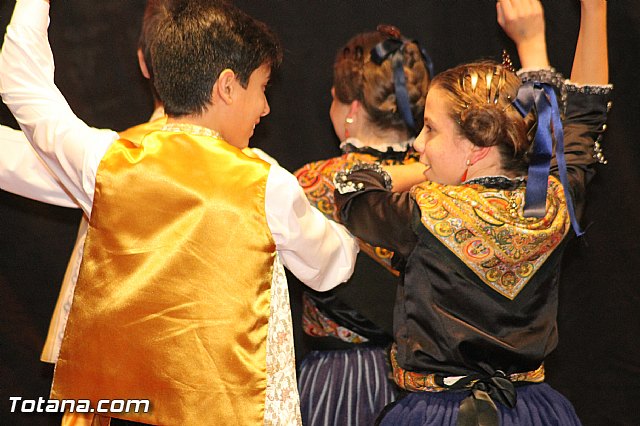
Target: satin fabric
<point x="486" y="228"/>
<point x="447" y="320"/>
<point x="135" y="134"/>
<point x="55" y="334"/>
<point x="173" y="297"/>
<point x="84" y="419"/>
<point x="465" y="321"/>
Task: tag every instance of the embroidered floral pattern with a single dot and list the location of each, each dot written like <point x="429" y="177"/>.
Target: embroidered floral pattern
<point x="282" y="405"/>
<point x="191" y="129"/>
<point x="316" y="324"/>
<point x="486" y="228"/>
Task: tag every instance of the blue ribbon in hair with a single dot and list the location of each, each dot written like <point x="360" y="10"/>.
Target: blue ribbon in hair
<point x="543" y="98"/>
<point x="394" y="47"/>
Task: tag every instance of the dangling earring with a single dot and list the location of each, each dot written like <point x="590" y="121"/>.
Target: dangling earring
<point x="348" y="120"/>
<point x="466" y="171"/>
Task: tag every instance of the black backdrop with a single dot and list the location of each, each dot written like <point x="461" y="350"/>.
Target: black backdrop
<point x="597" y="363"/>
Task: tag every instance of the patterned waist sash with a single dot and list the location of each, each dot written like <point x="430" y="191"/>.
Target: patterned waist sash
<point x="485" y="389"/>
<point x="418" y="382"/>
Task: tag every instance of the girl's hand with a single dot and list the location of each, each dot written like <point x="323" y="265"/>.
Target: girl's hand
<point x="523" y="22"/>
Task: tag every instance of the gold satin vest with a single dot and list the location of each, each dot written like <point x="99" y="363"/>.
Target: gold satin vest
<point x="135" y="134"/>
<point x="173" y="297"/>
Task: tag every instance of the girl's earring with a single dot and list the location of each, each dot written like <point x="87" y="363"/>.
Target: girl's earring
<point x="466" y="171"/>
<point x="348" y="120"/>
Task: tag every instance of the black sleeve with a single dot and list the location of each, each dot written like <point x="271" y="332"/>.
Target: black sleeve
<point x="584" y="124"/>
<point x="374" y="213"/>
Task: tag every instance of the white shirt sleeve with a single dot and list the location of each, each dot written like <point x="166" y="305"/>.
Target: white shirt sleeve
<point x="264" y="156"/>
<point x="320" y="252"/>
<point x="23" y="173"/>
<point x="71" y="149"/>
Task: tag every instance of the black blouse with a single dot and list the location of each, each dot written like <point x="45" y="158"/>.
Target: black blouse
<point x="446" y="319"/>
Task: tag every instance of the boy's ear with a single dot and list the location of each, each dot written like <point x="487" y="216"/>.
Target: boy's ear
<point x="143" y="65"/>
<point x="224" y="86"/>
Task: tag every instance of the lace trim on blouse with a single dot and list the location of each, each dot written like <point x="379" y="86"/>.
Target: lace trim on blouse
<point x="397" y="147"/>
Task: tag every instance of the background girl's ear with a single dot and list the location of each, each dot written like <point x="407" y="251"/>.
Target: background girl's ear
<point x="354" y="108"/>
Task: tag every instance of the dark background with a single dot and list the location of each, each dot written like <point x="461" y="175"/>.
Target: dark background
<point x="597" y="363"/>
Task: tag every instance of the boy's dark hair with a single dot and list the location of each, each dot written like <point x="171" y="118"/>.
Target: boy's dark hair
<point x="196" y="41"/>
<point x="154" y="13"/>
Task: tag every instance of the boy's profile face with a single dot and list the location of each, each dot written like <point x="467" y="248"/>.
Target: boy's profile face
<point x="249" y="105"/>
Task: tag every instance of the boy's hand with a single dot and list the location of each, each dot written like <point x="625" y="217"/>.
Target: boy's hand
<point x="523" y="22"/>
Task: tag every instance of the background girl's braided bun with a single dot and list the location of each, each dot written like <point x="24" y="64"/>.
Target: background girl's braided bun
<point x="379" y="90"/>
<point x="356" y="77"/>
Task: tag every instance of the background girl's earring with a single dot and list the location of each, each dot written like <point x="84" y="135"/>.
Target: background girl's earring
<point x="348" y="120"/>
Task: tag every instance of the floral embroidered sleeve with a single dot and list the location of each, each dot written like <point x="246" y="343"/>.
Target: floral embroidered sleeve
<point x="372" y="212"/>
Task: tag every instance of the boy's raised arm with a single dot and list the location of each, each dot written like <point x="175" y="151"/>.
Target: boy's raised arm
<point x="70" y="148"/>
<point x="23" y="173"/>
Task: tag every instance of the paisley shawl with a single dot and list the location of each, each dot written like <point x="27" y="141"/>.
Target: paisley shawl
<point x="486" y="229"/>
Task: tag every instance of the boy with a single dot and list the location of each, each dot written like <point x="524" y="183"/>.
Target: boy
<point x="177" y="300"/>
<point x="22" y="172"/>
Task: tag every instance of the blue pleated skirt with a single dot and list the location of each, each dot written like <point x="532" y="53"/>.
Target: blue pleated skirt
<point x="538" y="405"/>
<point x="345" y="387"/>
